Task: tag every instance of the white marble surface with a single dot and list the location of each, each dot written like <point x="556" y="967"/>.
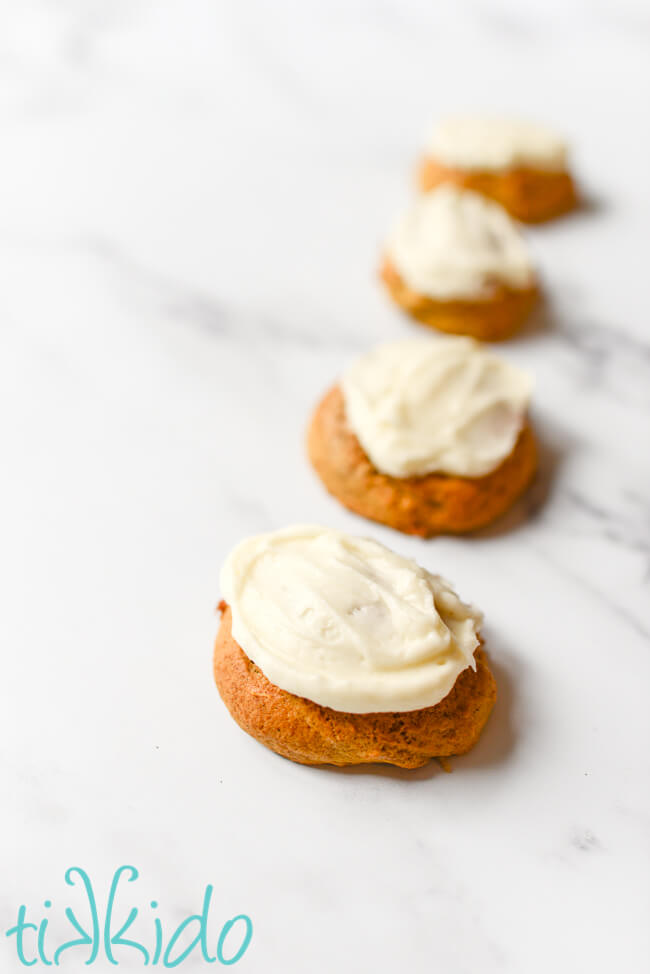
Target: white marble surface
<point x="192" y="200"/>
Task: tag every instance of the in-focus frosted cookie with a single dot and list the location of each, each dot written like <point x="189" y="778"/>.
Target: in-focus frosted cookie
<point x="333" y="649"/>
<point x="520" y="165"/>
<point x="428" y="436"/>
<point x="457" y="262"/>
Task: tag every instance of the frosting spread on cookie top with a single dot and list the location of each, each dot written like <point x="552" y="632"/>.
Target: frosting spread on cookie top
<point x="443" y="405"/>
<point x="345" y="622"/>
<point x="453" y="243"/>
<point x="496" y="143"/>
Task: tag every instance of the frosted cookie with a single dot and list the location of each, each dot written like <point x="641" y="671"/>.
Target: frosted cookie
<point x="520" y="165"/>
<point x="428" y="436"/>
<point x="333" y="649"/>
<point x="457" y="262"/>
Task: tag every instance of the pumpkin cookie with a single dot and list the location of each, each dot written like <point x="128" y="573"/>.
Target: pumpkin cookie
<point x="457" y="262"/>
<point x="521" y="166"/>
<point x="334" y="650"/>
<point x="428" y="437"/>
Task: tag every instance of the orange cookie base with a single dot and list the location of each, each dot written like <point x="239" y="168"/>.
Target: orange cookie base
<point x="489" y="319"/>
<point x="432" y="504"/>
<point x="529" y="195"/>
<point x="305" y="732"/>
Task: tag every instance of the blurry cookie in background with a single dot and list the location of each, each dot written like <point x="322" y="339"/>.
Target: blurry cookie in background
<point x="520" y="165"/>
<point x="332" y="649"/>
<point x="457" y="262"/>
<point x="428" y="436"/>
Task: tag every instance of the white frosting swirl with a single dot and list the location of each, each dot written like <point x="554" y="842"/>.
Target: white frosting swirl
<point x="435" y="404"/>
<point x="495" y="144"/>
<point x="453" y="243"/>
<point x="345" y="622"/>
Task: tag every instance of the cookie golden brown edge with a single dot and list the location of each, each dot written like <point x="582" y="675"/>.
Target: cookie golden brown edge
<point x="491" y="319"/>
<point x="308" y="733"/>
<point x="425" y="506"/>
<point x="529" y="195"/>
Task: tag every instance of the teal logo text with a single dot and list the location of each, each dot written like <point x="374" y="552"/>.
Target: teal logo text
<point x="122" y="933"/>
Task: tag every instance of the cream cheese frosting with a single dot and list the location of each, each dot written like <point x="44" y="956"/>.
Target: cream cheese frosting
<point x="453" y="243"/>
<point x="435" y="405"/>
<point x="496" y="143"/>
<point x="345" y="622"/>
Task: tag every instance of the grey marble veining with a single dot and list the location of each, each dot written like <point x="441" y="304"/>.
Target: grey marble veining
<point x="193" y="200"/>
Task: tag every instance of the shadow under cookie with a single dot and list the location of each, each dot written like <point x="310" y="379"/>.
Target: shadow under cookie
<point x="425" y="506"/>
<point x="308" y="733"/>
